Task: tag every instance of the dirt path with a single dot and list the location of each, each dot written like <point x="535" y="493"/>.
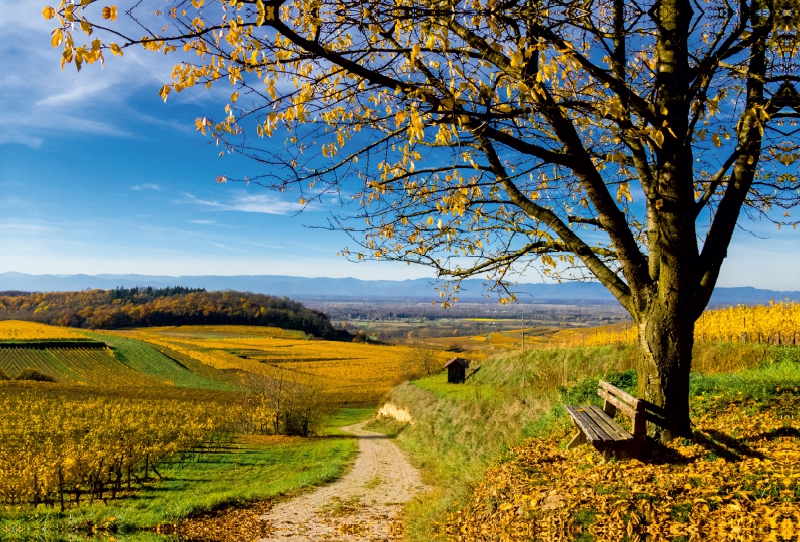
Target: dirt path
<point x="364" y="505"/>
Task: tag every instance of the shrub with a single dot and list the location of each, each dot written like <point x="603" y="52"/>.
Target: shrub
<point x="34" y="375"/>
<point x="421" y="362"/>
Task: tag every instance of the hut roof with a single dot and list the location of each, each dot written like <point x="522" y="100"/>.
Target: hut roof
<point x="460" y="361"/>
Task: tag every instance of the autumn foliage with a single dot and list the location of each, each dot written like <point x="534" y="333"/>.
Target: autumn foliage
<point x="774" y="323"/>
<point x="59" y="444"/>
<point x="111" y="309"/>
<point x="736" y="480"/>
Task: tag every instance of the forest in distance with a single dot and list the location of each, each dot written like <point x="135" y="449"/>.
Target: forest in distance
<point x="171" y="306"/>
<point x="381" y="320"/>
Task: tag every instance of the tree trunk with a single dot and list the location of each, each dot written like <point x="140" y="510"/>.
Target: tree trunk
<point x="666" y="338"/>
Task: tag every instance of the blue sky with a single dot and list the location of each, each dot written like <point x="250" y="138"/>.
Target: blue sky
<point x="98" y="175"/>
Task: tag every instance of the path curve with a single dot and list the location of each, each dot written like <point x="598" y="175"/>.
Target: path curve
<point x="364" y="505"/>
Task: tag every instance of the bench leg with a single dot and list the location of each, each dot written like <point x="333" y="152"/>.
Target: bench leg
<point x="577" y="440"/>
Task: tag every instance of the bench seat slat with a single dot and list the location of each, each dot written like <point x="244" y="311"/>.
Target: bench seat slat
<point x="612" y="428"/>
<point x="600" y="426"/>
<point x="607" y="428"/>
<point x="576" y="413"/>
<point x="596" y="424"/>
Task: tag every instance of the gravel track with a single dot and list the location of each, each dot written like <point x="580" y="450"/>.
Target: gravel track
<point x="364" y="505"/>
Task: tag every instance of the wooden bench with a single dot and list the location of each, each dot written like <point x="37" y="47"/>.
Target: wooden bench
<point x="597" y="426"/>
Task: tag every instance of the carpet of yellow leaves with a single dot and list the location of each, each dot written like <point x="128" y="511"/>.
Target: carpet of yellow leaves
<point x="737" y="480"/>
<point x="16" y="330"/>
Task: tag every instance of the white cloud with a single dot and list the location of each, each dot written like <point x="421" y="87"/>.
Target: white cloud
<point x="39" y="101"/>
<point x="14" y="136"/>
<point x="22" y="228"/>
<point x="202" y="222"/>
<point x="249" y="203"/>
<point x="75" y="93"/>
<point x="146" y="186"/>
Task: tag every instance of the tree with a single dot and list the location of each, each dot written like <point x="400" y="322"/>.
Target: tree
<point x="285" y="406"/>
<point x="619" y="141"/>
<point x="419" y="363"/>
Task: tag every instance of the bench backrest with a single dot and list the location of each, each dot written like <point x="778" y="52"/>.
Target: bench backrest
<point x="616" y="399"/>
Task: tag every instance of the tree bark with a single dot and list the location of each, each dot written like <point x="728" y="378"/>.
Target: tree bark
<point x="666" y="338"/>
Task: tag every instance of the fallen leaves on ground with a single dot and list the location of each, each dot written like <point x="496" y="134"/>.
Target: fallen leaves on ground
<point x="737" y="479"/>
<point x="227" y="525"/>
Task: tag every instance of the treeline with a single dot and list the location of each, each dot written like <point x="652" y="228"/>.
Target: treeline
<point x="144" y="307"/>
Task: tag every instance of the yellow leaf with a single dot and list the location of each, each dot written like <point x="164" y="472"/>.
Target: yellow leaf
<point x="48" y="13"/>
<point x="234" y="97"/>
<point x="115" y="49"/>
<point x="658" y="138"/>
<point x="624" y="191"/>
<point x="164" y="92"/>
<point x="415" y="52"/>
<point x="58" y="37"/>
<point x="109" y="12"/>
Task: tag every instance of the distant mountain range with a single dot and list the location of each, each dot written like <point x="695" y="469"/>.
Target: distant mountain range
<point x="353" y="289"/>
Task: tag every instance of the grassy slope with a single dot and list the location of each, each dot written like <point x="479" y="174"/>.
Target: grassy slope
<point x="91" y="366"/>
<point x="252" y="469"/>
<point x="130" y="362"/>
<point x="460" y="430"/>
<point x="145" y="359"/>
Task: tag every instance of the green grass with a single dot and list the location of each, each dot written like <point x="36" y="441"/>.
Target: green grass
<point x="236" y="474"/>
<point x="141" y="357"/>
<point x="344" y="417"/>
<point x="470" y="390"/>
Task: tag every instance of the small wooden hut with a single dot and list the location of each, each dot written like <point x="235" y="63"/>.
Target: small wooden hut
<point x="456" y="370"/>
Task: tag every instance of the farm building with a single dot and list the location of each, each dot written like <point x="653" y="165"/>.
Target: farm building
<point x="456" y="370"/>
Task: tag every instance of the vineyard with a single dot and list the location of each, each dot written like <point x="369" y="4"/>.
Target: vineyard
<point x="59" y="444"/>
<point x="99" y="432"/>
<point x="72" y="365"/>
<point x="16" y="330"/>
<point x="777" y="323"/>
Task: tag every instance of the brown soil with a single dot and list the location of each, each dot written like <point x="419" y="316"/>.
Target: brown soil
<point x="364" y="505"/>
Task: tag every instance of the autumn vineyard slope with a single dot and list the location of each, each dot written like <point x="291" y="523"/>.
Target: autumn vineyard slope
<point x="98" y="431"/>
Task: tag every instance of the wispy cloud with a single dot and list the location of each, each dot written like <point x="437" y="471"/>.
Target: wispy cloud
<point x="78" y="91"/>
<point x="265" y="246"/>
<point x="33" y="142"/>
<point x="19" y="227"/>
<point x="202" y="222"/>
<point x="249" y="203"/>
<point x="146" y="186"/>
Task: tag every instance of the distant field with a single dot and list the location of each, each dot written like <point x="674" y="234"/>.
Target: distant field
<point x="353" y="373"/>
<point x="204" y="357"/>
